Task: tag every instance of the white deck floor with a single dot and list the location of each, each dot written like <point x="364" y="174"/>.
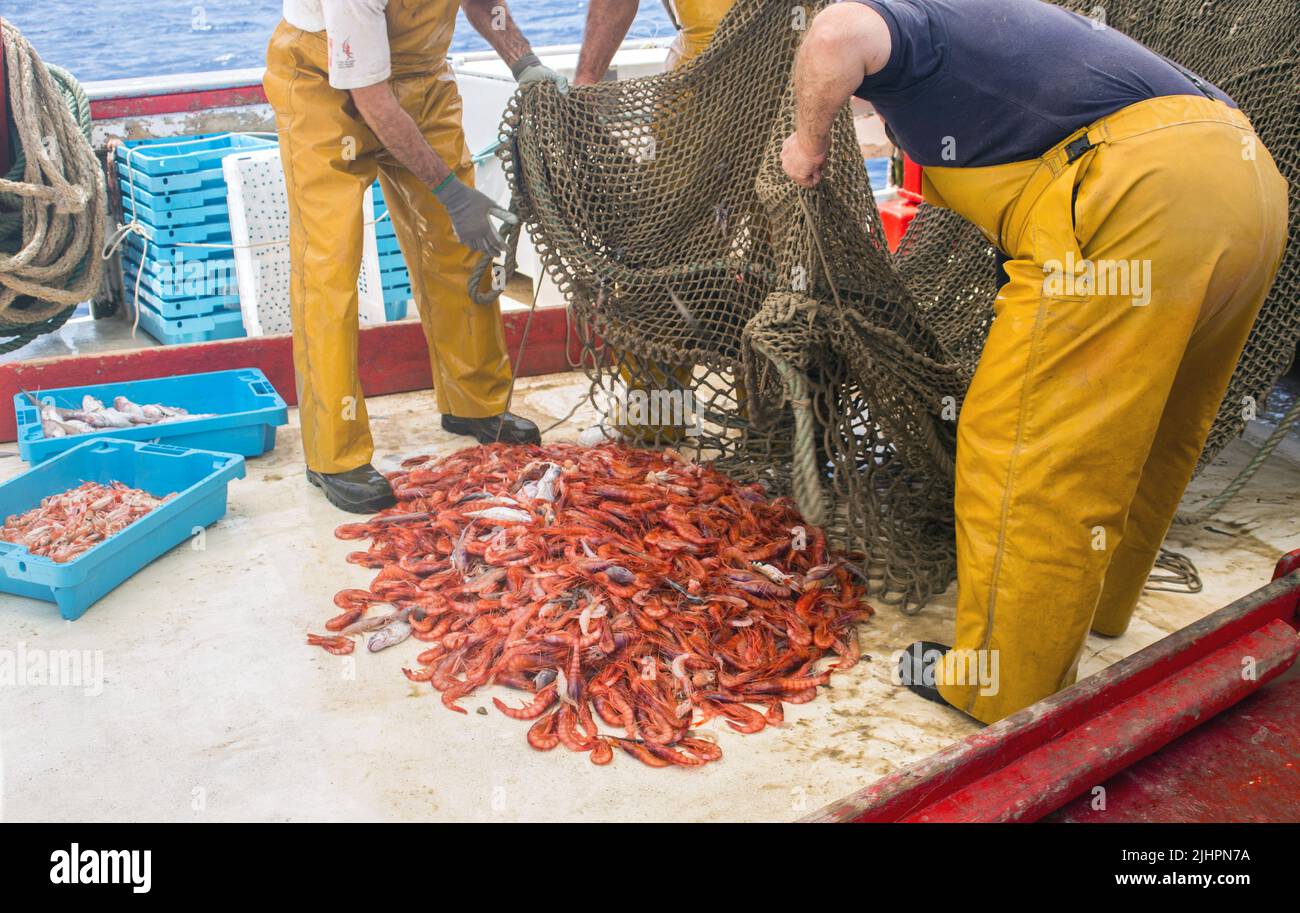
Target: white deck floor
<point x="213" y="708"/>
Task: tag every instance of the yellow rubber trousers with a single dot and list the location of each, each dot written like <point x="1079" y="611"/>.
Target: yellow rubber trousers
<point x="699" y="19"/>
<point x="330" y="157"/>
<point x="1093" y="397"/>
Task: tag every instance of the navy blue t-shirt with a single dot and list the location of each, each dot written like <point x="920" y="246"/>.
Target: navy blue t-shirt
<point x="986" y="82"/>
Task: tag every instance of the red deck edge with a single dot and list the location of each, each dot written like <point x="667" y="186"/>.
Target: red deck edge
<point x="909" y="793"/>
<point x="1041" y="781"/>
<point x="393" y="358"/>
<point x="145" y="105"/>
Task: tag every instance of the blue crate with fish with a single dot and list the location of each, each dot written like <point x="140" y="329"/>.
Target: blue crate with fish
<point x="235" y="411"/>
<point x="192" y="482"/>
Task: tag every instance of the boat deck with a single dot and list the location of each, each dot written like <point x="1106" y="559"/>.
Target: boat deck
<point x="213" y="708"/>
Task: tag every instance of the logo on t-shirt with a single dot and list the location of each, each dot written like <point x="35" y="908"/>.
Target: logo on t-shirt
<point x="347" y="60"/>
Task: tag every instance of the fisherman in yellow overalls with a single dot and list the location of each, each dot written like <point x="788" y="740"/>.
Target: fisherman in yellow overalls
<point x="362" y="88"/>
<point x="607" y="24"/>
<point x="1142" y="222"/>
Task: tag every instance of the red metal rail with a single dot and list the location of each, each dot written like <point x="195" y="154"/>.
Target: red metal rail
<point x="1037" y="760"/>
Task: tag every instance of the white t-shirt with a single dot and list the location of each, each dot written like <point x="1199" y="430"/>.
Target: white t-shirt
<point x="357" y="33"/>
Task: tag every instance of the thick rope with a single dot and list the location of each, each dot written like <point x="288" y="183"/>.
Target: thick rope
<point x="61" y="201"/>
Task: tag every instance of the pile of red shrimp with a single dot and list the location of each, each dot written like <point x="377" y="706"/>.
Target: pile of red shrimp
<point x="630" y="594"/>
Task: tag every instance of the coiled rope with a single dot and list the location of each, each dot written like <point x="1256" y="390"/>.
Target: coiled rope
<point x="52" y="205"/>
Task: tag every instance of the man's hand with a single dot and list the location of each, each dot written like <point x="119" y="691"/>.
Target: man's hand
<point x="470" y="213"/>
<point x="845" y="43"/>
<point x="528" y="69"/>
<point x="802" y="165"/>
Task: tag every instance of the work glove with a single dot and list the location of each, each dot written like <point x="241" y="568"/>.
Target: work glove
<point x="528" y="69"/>
<point x="470" y="213"/>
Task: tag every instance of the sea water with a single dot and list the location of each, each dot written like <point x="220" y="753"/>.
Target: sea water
<point x="115" y="39"/>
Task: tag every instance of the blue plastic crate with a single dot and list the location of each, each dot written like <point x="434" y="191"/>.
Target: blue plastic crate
<point x="397" y="309"/>
<point x="181" y="199"/>
<point x="216" y="231"/>
<point x="169" y="277"/>
<point x="248" y="412"/>
<point x="198" y="478"/>
<point x="178" y="308"/>
<point x="165" y="297"/>
<point x="164" y="252"/>
<point x="178" y="331"/>
<point x="193" y="181"/>
<point x="174" y="218"/>
<point x="193" y="153"/>
<point x="397" y="293"/>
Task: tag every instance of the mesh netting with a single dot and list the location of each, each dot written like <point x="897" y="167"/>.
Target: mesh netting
<point x="819" y="363"/>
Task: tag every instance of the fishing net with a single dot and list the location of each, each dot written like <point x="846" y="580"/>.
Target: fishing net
<point x="801" y="352"/>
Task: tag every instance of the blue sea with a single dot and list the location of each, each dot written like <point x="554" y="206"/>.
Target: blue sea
<point x="114" y="39"/>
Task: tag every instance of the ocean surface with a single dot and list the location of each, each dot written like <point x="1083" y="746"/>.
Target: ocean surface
<point x="114" y="39"/>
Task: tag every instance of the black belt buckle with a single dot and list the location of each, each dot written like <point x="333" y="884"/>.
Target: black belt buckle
<point x="1075" y="149"/>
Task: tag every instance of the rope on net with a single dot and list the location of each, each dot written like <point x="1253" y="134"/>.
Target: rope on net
<point x="52" y="204"/>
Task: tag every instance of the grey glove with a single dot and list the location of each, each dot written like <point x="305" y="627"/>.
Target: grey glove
<point x="470" y="210"/>
<point x="529" y="69"/>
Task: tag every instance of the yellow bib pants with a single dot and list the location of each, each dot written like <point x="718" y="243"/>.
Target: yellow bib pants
<point x="330" y="157"/>
<point x="1094" y="396"/>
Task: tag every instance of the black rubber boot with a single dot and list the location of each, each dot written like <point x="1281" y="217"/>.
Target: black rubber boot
<point x="916" y="669"/>
<point x="358" y="491"/>
<point x="507" y="428"/>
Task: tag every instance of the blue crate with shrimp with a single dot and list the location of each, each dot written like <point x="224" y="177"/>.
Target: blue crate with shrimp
<point x="234" y="411"/>
<point x="193" y="482"/>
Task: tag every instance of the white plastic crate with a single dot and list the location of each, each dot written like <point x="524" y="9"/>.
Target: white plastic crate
<point x="259" y="231"/>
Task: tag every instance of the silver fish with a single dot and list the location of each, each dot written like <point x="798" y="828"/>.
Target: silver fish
<point x="501" y="515"/>
<point x="375" y="622"/>
<point x="543" y="489"/>
<point x="386" y="637"/>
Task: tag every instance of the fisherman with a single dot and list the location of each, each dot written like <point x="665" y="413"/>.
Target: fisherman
<point x="362" y="88"/>
<point x="1085" y="158"/>
<point x="609" y="20"/>
<point x="607" y="24"/>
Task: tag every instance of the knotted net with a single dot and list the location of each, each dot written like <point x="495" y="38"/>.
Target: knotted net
<point x="815" y="360"/>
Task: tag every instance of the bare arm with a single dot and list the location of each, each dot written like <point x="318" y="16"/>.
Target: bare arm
<point x="846" y="43"/>
<point x="399" y="133"/>
<point x="492" y="20"/>
<point x="607" y="25"/>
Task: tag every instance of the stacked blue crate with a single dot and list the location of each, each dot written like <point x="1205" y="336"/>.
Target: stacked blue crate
<point x="176" y="190"/>
<point x="392" y="268"/>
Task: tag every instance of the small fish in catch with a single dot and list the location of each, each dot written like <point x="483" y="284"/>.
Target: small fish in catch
<point x="394" y="633"/>
<point x="501" y="515"/>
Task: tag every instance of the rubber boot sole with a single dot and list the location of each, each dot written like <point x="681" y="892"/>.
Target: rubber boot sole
<point x="368" y="506"/>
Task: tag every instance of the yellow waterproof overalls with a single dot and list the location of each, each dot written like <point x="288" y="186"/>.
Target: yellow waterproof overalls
<point x="1090" y="405"/>
<point x="699" y="19"/>
<point x="330" y="157"/>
